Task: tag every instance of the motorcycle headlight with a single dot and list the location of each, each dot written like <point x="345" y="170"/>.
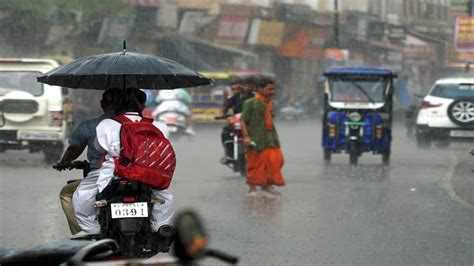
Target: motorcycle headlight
<point x="355" y="116"/>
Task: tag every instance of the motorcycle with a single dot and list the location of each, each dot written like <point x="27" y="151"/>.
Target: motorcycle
<point x="124" y="209"/>
<point x="175" y="121"/>
<point x="293" y="112"/>
<point x="234" y="146"/>
<point x="189" y="247"/>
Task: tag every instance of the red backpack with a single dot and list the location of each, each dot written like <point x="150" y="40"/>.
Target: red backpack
<point x="146" y="155"/>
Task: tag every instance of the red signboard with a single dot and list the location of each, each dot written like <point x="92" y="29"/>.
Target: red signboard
<point x="304" y="43"/>
<point x="464" y="34"/>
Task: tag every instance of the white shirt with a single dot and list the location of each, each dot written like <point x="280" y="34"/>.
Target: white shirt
<point x="108" y="140"/>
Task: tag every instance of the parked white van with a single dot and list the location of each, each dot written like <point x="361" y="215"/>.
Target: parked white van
<point x="32" y="114"/>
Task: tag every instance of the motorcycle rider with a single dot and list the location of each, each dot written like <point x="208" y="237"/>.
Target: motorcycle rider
<point x="83" y="136"/>
<point x="131" y="104"/>
<point x="234" y="101"/>
<point x="242" y="90"/>
<point x="176" y="100"/>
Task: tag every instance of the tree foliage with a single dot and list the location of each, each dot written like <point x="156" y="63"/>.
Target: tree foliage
<point x="30" y="20"/>
<point x="41" y="9"/>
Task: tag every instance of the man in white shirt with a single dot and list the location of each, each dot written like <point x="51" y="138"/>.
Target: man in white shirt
<point x="130" y="104"/>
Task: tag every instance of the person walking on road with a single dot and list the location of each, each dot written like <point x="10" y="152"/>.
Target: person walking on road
<point x="263" y="154"/>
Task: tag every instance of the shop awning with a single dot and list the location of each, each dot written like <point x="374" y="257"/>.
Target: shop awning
<point x="414" y="41"/>
<point x="204" y="55"/>
<point x="223" y="48"/>
<point x="385" y="45"/>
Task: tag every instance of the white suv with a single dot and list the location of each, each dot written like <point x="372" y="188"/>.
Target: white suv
<point x="32" y="114"/>
<point x="446" y="113"/>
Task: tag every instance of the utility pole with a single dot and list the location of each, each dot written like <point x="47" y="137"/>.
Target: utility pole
<point x="336" y="23"/>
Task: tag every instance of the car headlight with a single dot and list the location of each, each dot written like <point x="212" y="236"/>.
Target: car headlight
<point x="355" y="116"/>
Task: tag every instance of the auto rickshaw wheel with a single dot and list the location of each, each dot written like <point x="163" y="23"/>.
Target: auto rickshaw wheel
<point x="354" y="152"/>
<point x="386" y="158"/>
<point x="327" y="155"/>
<point x="353" y="158"/>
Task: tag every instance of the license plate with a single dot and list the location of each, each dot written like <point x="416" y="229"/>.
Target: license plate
<point x="172" y="128"/>
<point x="39" y="136"/>
<point x="462" y="133"/>
<point x="129" y="210"/>
<point x="170" y="119"/>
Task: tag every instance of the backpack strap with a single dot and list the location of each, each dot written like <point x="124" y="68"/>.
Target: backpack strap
<point x="147" y="120"/>
<point x="121" y="119"/>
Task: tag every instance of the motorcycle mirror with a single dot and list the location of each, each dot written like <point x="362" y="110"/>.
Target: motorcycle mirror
<point x="191" y="239"/>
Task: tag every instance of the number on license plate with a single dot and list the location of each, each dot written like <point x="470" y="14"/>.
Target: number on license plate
<point x="461" y="133"/>
<point x="129" y="210"/>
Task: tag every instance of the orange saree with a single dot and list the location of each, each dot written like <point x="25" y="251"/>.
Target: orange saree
<point x="264" y="167"/>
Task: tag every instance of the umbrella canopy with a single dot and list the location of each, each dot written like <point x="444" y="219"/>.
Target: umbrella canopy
<point x="123" y="70"/>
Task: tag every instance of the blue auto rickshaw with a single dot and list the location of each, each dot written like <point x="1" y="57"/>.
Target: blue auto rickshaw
<point x="357" y="114"/>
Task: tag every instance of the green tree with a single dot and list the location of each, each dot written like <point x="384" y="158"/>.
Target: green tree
<point x="28" y="22"/>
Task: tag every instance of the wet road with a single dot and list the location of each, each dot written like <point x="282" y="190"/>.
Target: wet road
<point x="405" y="214"/>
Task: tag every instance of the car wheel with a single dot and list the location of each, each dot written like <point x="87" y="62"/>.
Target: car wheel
<point x="461" y="112"/>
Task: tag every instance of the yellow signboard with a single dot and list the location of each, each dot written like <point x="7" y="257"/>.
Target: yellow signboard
<point x="464" y="34"/>
<point x="264" y="32"/>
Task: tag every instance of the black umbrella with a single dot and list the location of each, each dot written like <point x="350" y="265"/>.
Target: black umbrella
<point x="123" y="70"/>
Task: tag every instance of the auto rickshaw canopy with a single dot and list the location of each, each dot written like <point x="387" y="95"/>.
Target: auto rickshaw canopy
<point x="359" y="71"/>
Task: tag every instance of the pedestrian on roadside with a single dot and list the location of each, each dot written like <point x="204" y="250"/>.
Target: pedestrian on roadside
<point x="263" y="154"/>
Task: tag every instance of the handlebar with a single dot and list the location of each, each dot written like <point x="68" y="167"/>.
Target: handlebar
<point x="222" y="256"/>
<point x="222" y="117"/>
<point x="81" y="165"/>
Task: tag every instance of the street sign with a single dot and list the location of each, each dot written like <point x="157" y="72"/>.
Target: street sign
<point x="464" y="34"/>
